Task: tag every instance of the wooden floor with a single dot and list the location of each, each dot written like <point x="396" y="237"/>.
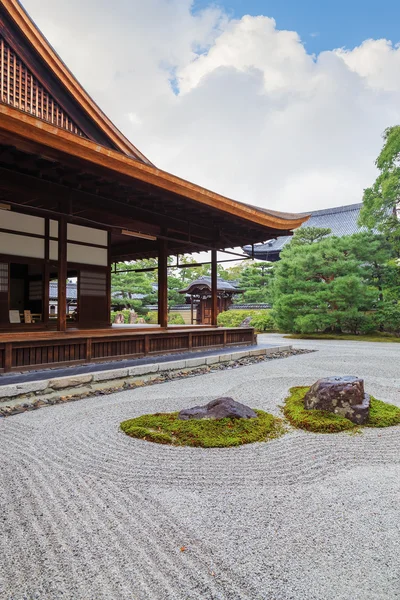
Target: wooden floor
<point x="21" y="351"/>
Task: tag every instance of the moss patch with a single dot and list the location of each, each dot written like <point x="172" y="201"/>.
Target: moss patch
<point x="321" y="421"/>
<point x="375" y="337"/>
<point x="382" y="414"/>
<point x="166" y="428"/>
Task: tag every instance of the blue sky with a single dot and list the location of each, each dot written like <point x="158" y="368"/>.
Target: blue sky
<point x="324" y="24"/>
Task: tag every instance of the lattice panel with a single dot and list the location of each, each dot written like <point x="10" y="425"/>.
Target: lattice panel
<point x="4" y="277"/>
<point x="20" y="88"/>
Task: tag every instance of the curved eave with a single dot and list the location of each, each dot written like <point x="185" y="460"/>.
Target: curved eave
<point x="27" y="132"/>
<point x="191" y="289"/>
<point x="51" y="58"/>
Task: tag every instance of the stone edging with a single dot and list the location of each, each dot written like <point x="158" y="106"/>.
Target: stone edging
<point x="17" y="398"/>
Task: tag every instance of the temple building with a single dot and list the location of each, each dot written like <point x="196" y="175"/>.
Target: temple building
<point x="199" y="295"/>
<point x="75" y="197"/>
<point x="342" y="220"/>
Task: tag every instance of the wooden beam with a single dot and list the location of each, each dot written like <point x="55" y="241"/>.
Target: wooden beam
<point x="214" y="290"/>
<point x="62" y="275"/>
<point x="162" y="283"/>
<point x="15" y="181"/>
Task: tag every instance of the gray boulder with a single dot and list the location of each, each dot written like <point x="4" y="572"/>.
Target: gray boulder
<point x="246" y="322"/>
<point x="219" y="409"/>
<point x="343" y="396"/>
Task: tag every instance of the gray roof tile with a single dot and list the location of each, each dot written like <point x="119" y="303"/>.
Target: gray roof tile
<point x="341" y="220"/>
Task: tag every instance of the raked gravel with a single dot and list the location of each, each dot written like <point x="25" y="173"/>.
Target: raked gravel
<point x="87" y="513"/>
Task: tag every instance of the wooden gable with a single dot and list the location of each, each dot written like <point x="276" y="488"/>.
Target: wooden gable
<point x="21" y="89"/>
<point x="34" y="80"/>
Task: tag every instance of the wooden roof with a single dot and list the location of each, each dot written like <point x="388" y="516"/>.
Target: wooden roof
<point x="30" y="46"/>
<point x="204" y="283"/>
<point x="99" y="177"/>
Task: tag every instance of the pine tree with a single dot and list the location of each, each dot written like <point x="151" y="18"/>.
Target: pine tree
<point x="333" y="284"/>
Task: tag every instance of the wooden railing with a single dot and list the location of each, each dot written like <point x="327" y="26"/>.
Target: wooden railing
<point x="21" y="355"/>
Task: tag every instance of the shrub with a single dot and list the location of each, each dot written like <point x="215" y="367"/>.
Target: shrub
<point x="125" y="312"/>
<point x="356" y="322"/>
<point x="175" y="319"/>
<point x="152" y="317"/>
<point x="260" y="319"/>
<point x="389" y="318"/>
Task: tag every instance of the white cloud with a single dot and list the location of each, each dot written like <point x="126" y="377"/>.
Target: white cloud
<point x="256" y="117"/>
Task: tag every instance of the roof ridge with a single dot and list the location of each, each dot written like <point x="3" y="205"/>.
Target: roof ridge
<point x="335" y="209"/>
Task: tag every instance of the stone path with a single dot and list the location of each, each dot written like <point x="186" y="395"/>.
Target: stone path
<point x="87" y="513"/>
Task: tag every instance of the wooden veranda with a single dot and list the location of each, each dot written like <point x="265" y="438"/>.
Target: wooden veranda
<point x="75" y="197"/>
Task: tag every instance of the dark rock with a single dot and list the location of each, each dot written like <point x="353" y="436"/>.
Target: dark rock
<point x="245" y="322"/>
<point x="219" y="409"/>
<point x="343" y="396"/>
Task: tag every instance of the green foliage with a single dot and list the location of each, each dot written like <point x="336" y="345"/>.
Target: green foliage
<point x="254" y="279"/>
<point x="384" y="338"/>
<point x="166" y="428"/>
<point x="189" y="274"/>
<point x="334" y="284"/>
<point x="389" y="318"/>
<point x="261" y="320"/>
<point x="309" y="235"/>
<point x="381" y="202"/>
<point x="175" y="319"/>
<point x="152" y="317"/>
<point x="124" y="311"/>
<point x="322" y="421"/>
<point x="129" y="283"/>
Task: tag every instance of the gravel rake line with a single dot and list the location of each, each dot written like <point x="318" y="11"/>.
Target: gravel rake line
<point x="225" y="573"/>
<point x="295" y="458"/>
<point x="81" y="523"/>
<point x="48" y="485"/>
<point x="50" y="551"/>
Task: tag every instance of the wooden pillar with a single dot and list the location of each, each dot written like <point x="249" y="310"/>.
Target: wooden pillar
<point x="162" y="283"/>
<point x="191" y="310"/>
<point x="62" y="275"/>
<point x="46" y="274"/>
<point x="214" y="291"/>
<point x="108" y="282"/>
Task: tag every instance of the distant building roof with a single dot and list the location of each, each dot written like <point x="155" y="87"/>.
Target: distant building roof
<point x="205" y="282"/>
<point x="72" y="291"/>
<point x="342" y="220"/>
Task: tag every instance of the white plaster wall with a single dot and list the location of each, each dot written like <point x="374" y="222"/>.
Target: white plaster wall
<point x="20" y="222"/>
<point x="77" y="233"/>
<point x="87" y="255"/>
<point x="21" y="245"/>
